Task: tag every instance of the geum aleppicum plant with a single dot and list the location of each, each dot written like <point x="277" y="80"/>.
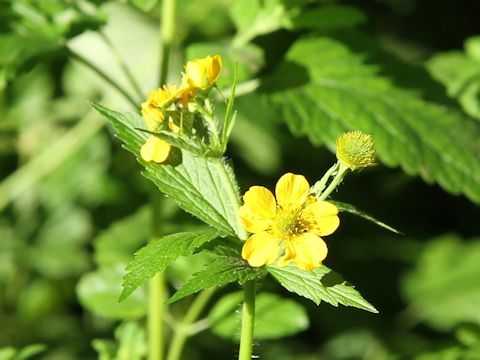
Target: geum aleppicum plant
<point x="280" y="235"/>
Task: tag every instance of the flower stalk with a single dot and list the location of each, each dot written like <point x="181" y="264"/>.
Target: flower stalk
<point x="248" y="321"/>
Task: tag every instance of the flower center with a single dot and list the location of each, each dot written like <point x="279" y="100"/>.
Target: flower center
<point x="288" y="222"/>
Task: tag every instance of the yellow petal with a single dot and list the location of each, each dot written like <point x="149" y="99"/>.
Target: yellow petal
<point x="155" y="150"/>
<point x="310" y="250"/>
<point x="321" y="218"/>
<point x="291" y="190"/>
<point x="261" y="249"/>
<point x="259" y="209"/>
<point x="202" y="73"/>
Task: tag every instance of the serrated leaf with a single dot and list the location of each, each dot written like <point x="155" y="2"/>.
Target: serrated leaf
<point x="222" y="271"/>
<point x="443" y="288"/>
<point x="158" y="254"/>
<point x="460" y="73"/>
<point x="344" y="207"/>
<point x="333" y="89"/>
<point x="197" y="184"/>
<point x="98" y="292"/>
<point x="275" y="317"/>
<point x="321" y="284"/>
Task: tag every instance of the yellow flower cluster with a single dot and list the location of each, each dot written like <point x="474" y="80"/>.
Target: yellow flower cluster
<point x="289" y="226"/>
<point x="157" y="110"/>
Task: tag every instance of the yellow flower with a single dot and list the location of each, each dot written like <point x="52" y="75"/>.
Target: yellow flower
<point x="289" y="226"/>
<point x="356" y="150"/>
<point x="155" y="150"/>
<point x="202" y="73"/>
<point x="157" y="101"/>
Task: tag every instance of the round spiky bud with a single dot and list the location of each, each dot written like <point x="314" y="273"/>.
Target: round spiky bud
<point x="356" y="150"/>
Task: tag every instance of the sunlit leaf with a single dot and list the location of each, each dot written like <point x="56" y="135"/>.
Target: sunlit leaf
<point x="158" y="254"/>
<point x="321" y="284"/>
<point x="329" y="89"/>
<point x="222" y="271"/>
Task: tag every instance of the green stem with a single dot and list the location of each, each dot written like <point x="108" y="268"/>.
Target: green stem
<point x="320" y="185"/>
<point x="248" y="321"/>
<point x="182" y="331"/>
<point x="342" y="171"/>
<point x="157" y="309"/>
<point x="50" y="159"/>
<point x="104" y="76"/>
<point x="231" y="188"/>
<point x="126" y="70"/>
<point x="156" y="300"/>
<point x="167" y="37"/>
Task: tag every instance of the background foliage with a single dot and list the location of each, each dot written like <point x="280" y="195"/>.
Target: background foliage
<point x="73" y="201"/>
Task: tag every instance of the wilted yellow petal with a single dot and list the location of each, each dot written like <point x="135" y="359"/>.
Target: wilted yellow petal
<point x="321" y="218"/>
<point x="261" y="249"/>
<point x="291" y="190"/>
<point x="155" y="150"/>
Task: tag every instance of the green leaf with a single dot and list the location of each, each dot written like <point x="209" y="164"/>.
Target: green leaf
<point x="321" y="284"/>
<point x="275" y="317"/>
<point x="224" y="270"/>
<point x="132" y="341"/>
<point x="158" y="254"/>
<point x="10" y="353"/>
<point x="329" y="17"/>
<point x="145" y="5"/>
<point x="344" y="207"/>
<point x="254" y="17"/>
<point x="460" y="73"/>
<point x="340" y="90"/>
<point x="443" y="289"/>
<point x="203" y="187"/>
<point x="98" y="292"/>
<point x="117" y="243"/>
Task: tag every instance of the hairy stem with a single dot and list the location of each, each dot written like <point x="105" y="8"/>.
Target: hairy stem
<point x="156" y="300"/>
<point x="341" y="172"/>
<point x="248" y="321"/>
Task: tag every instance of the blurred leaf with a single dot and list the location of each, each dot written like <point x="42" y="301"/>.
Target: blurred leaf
<point x="98" y="291"/>
<point x="256" y="136"/>
<point x="254" y="17"/>
<point x="329" y="17"/>
<point x="443" y="289"/>
<point x="320" y="284"/>
<point x="118" y="243"/>
<point x="249" y="59"/>
<point x="132" y="342"/>
<point x="39" y="30"/>
<point x="348" y="208"/>
<point x="106" y="349"/>
<point x="196" y="184"/>
<point x="460" y="73"/>
<point x="145" y="5"/>
<point x="222" y="271"/>
<point x="10" y="353"/>
<point x="158" y="254"/>
<point x="275" y="317"/>
<point x="338" y="91"/>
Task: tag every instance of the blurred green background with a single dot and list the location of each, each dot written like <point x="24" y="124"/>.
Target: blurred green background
<point x="74" y="206"/>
